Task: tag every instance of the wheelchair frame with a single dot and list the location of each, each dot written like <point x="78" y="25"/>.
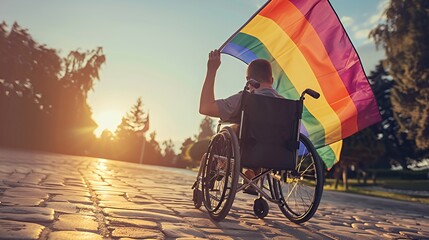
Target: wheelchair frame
<point x="273" y="181"/>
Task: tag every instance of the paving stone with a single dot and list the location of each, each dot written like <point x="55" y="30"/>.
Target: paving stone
<point x="393" y="236"/>
<point x="61" y="235"/>
<point x="134" y="232"/>
<point x="414" y="235"/>
<point x="367" y="236"/>
<point x="272" y="232"/>
<point x="114" y="189"/>
<point x="14" y="178"/>
<point x="76" y="222"/>
<point x="235" y="233"/>
<point x="204" y="222"/>
<point x="132" y="205"/>
<point x="14" y="201"/>
<point x="25" y="192"/>
<point x="424" y="232"/>
<point x="410" y="222"/>
<point x="6" y="169"/>
<point x="178" y="230"/>
<point x="109" y="197"/>
<point x="137" y="195"/>
<point x="33" y="178"/>
<point x="95" y="180"/>
<point x="75" y="182"/>
<point x="63" y="207"/>
<point x="72" y="199"/>
<point x="220" y="237"/>
<point x="236" y="225"/>
<point x="52" y="180"/>
<point x="67" y="192"/>
<point x="140" y="214"/>
<point x="376" y="231"/>
<point x="338" y="234"/>
<point x="363" y="218"/>
<point x="191" y="238"/>
<point x="66" y="207"/>
<point x="127" y="222"/>
<point x="191" y="212"/>
<point x="391" y="228"/>
<point x="65" y="189"/>
<point x="19" y="230"/>
<point x="28" y="214"/>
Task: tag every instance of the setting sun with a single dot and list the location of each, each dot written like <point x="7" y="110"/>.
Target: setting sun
<point x="107" y="120"/>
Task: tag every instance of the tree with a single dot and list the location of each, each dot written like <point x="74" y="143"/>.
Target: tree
<point x="128" y="139"/>
<point x="184" y="159"/>
<point x="23" y="64"/>
<point x="206" y="128"/>
<point x="169" y="156"/>
<point x="153" y="153"/>
<point x="105" y="145"/>
<point x="197" y="150"/>
<point x="405" y="37"/>
<point x="81" y="68"/>
<point x="71" y="116"/>
<point x="398" y="147"/>
<point x="199" y="147"/>
<point x="43" y="96"/>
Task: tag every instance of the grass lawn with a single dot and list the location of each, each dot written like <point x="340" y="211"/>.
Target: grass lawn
<point x="360" y="188"/>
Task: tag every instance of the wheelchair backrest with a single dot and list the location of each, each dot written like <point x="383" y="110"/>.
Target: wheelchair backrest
<point x="269" y="132"/>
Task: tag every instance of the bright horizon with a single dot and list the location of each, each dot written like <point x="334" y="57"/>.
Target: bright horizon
<point x="158" y="50"/>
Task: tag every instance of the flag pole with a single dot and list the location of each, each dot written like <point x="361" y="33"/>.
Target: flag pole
<point x="250" y="19"/>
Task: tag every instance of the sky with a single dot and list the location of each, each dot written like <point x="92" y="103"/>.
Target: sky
<point x="158" y="50"/>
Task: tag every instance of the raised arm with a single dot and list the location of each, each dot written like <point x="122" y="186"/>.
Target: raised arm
<point x="208" y="105"/>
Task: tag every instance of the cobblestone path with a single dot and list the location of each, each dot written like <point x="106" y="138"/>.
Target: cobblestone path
<point x="52" y="196"/>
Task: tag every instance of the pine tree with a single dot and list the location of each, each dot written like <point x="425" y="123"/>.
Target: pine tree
<point x="129" y="141"/>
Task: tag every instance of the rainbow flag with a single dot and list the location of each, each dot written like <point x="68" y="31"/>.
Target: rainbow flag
<point x="309" y="48"/>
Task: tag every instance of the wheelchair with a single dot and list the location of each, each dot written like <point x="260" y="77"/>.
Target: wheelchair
<point x="265" y="136"/>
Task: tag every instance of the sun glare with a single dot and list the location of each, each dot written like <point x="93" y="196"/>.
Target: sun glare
<point x="107" y="120"/>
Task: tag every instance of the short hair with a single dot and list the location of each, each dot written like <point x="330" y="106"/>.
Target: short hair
<point x="260" y="70"/>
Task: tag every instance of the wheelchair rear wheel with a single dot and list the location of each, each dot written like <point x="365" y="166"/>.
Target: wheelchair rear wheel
<point x="300" y="190"/>
<point x="220" y="173"/>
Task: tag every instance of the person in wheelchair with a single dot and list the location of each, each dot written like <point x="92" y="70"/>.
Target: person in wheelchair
<point x="228" y="109"/>
<point x="269" y="144"/>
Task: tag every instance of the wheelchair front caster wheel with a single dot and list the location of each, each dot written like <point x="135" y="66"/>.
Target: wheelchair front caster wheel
<point x="260" y="208"/>
<point x="197" y="197"/>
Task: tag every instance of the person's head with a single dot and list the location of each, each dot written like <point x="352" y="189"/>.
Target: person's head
<point x="260" y="70"/>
